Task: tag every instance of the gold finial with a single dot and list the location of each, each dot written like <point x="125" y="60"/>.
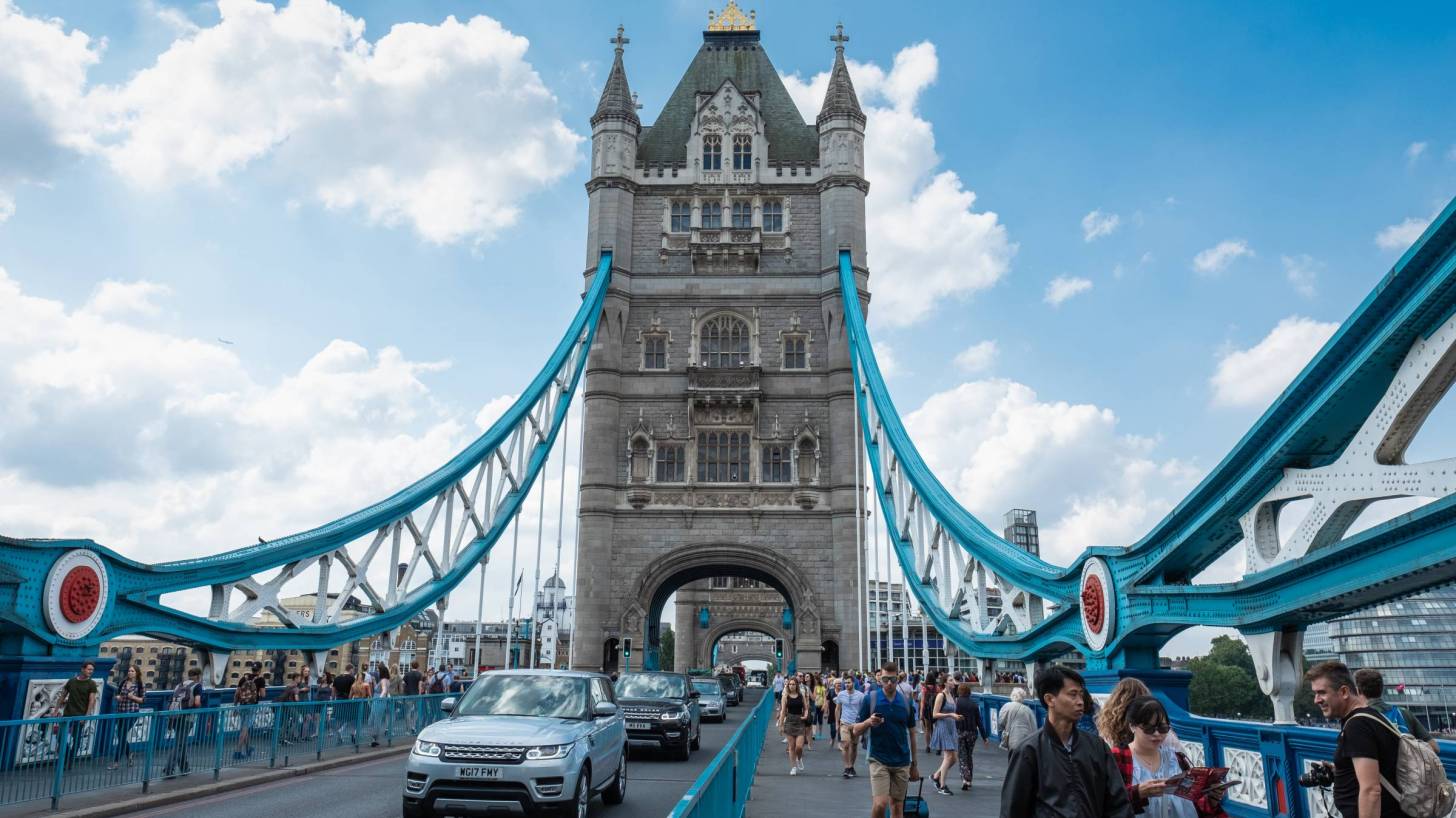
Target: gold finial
<point x="732" y="18"/>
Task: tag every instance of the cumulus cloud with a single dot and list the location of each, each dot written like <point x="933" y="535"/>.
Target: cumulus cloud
<point x="930" y="242"/>
<point x="1063" y="288"/>
<point x="997" y="446"/>
<point x="1253" y="377"/>
<point x="1301" y="272"/>
<point x="977" y="357"/>
<point x="1097" y="224"/>
<point x="1401" y="236"/>
<point x="404" y="130"/>
<point x="1216" y="259"/>
<point x="164" y="446"/>
<point x="887" y="359"/>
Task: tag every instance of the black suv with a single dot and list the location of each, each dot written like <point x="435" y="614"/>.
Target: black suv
<point x="661" y="710"/>
<point x="732" y="687"/>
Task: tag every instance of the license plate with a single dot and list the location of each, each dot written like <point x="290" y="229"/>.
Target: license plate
<point x="481" y="773"/>
<point x="639" y="725"/>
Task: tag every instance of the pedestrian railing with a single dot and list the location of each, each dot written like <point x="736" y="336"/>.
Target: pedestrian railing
<point x="54" y="757"/>
<point x="722" y="789"/>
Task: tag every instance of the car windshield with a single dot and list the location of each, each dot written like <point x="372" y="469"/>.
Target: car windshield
<point x="711" y="687"/>
<point x="650" y="686"/>
<point x="557" y="697"/>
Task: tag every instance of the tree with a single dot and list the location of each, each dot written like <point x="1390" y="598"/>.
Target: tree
<point x="666" y="647"/>
<point x="1224" y="683"/>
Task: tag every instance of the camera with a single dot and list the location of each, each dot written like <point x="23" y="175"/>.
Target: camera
<point x="1320" y="775"/>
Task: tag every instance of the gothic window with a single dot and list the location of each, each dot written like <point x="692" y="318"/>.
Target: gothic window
<point x="712" y="215"/>
<point x="773" y="216"/>
<point x="654" y="352"/>
<point x="682" y="217"/>
<point x="742" y="215"/>
<point x="723" y="457"/>
<point x="712" y="152"/>
<point x="777" y="464"/>
<point x="724" y="341"/>
<point x="670" y="462"/>
<point x="743" y="152"/>
<point x="719" y="582"/>
<point x="796" y="354"/>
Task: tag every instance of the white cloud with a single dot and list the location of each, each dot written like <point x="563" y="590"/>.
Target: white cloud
<point x="115" y="298"/>
<point x="1301" y="271"/>
<point x="929" y="241"/>
<point x="1097" y="224"/>
<point x="405" y="130"/>
<point x="492" y="410"/>
<point x="1253" y="377"/>
<point x="7" y="206"/>
<point x="887" y="359"/>
<point x="1216" y="259"/>
<point x="1401" y="236"/>
<point x="998" y="446"/>
<point x="1063" y="288"/>
<point x="1415" y="150"/>
<point x="977" y="357"/>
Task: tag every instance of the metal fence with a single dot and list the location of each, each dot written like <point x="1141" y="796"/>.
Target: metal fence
<point x="722" y="789"/>
<point x="55" y="757"/>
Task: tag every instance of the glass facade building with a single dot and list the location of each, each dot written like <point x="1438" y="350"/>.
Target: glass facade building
<point x="1412" y="642"/>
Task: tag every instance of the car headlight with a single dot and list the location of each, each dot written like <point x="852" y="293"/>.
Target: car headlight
<point x="427" y="748"/>
<point x="548" y="752"/>
<point x="674" y="715"/>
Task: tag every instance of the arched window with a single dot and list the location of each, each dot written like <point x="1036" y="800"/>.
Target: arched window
<point x="743" y="152"/>
<point x="723" y="457"/>
<point x="724" y="342"/>
<point x="712" y="152"/>
<point x="712" y="215"/>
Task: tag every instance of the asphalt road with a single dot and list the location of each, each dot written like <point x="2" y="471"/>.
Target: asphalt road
<point x="374" y="789"/>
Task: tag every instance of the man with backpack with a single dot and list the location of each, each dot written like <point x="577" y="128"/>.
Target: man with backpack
<point x="1372" y="686"/>
<point x="888" y="716"/>
<point x="187" y="695"/>
<point x="1378" y="772"/>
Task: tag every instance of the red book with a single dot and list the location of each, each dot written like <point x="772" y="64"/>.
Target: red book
<point x="1199" y="781"/>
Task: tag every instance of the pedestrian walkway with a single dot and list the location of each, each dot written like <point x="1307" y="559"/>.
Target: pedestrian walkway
<point x="820" y="788"/>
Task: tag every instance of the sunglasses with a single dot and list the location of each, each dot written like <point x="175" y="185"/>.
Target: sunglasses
<point x="1160" y="729"/>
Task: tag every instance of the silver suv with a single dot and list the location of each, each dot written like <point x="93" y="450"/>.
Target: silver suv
<point x="520" y="741"/>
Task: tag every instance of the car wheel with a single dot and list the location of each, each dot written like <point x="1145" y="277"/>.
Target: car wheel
<point x="684" y="751"/>
<point x="617" y="792"/>
<point x="583" y="793"/>
<point x="697" y="740"/>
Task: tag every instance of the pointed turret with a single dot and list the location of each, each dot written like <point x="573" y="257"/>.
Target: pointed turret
<point x="617" y="101"/>
<point x="840" y="99"/>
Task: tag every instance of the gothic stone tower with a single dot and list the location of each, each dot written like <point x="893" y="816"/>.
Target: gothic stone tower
<point x="720" y="434"/>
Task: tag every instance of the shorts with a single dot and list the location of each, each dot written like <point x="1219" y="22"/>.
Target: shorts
<point x="846" y="733"/>
<point x="793" y="725"/>
<point x="891" y="781"/>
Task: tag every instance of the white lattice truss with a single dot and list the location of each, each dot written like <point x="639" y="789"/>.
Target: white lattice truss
<point x="965" y="588"/>
<point x="1372" y="467"/>
<point x="427" y="539"/>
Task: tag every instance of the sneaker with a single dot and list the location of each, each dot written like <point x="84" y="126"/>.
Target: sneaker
<point x="848" y="773"/>
<point x="793" y="771"/>
<point x="801" y="763"/>
<point x="852" y="773"/>
<point x="944" y="790"/>
<point x="784" y="740"/>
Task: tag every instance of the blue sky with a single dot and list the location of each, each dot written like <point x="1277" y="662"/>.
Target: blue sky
<point x="1110" y="148"/>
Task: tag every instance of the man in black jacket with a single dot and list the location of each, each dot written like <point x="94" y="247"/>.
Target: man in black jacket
<point x="1063" y="772"/>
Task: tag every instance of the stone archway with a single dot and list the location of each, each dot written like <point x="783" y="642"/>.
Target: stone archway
<point x="685" y="564"/>
<point x="718" y="631"/>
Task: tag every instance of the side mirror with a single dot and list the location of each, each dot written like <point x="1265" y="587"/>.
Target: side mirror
<point x="604" y="710"/>
<point x="447" y="704"/>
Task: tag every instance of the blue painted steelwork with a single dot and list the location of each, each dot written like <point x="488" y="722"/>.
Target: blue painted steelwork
<point x="722" y="789"/>
<point x="1151" y="596"/>
<point x="132" y="603"/>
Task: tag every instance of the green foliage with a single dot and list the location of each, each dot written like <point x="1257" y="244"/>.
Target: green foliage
<point x="1224" y="685"/>
<point x="666" y="647"/>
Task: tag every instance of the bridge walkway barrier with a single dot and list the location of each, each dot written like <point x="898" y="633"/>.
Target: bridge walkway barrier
<point x="50" y="758"/>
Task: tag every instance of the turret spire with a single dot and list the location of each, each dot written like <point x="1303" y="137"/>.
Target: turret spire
<point x="839" y="98"/>
<point x="617" y="101"/>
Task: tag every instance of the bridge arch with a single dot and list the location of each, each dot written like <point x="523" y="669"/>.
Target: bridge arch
<point x="676" y="568"/>
<point x="718" y="632"/>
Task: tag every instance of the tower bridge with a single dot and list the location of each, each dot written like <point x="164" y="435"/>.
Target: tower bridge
<point x="737" y="425"/>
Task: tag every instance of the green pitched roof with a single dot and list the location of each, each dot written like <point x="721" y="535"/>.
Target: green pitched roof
<point x="735" y="56"/>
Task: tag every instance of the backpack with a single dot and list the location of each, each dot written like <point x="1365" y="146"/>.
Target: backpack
<point x="1397" y="718"/>
<point x="437" y="684"/>
<point x="1420" y="784"/>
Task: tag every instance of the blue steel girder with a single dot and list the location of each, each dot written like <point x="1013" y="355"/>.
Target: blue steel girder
<point x="951" y="559"/>
<point x="485" y="484"/>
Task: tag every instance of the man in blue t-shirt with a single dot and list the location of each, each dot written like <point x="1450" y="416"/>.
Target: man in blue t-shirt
<point x="889" y="717"/>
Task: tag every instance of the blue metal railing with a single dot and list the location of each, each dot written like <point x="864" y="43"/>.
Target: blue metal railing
<point x="1268" y="758"/>
<point x="54" y="757"/>
<point x="722" y="789"/>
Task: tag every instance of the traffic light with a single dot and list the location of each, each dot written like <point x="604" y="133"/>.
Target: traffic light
<point x="627" y="646"/>
<point x="779" y="648"/>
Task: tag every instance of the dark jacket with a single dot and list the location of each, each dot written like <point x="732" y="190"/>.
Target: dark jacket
<point x="1045" y="780"/>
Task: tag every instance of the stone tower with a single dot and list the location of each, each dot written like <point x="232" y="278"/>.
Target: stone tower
<point x="720" y="434"/>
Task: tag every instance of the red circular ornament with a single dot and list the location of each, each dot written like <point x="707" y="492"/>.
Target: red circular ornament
<point x="1094" y="603"/>
<point x="80" y="593"/>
